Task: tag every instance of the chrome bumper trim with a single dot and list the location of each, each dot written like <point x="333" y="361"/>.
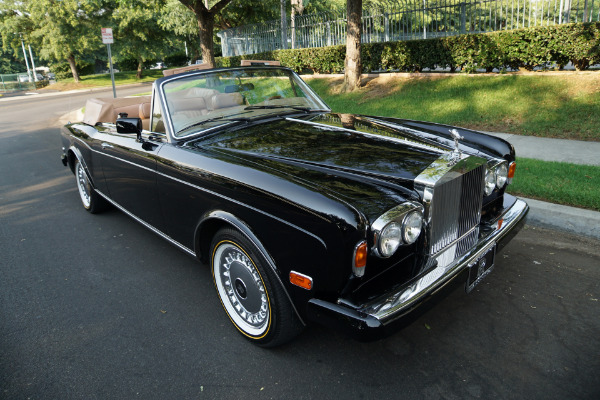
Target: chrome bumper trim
<point x="392" y="306"/>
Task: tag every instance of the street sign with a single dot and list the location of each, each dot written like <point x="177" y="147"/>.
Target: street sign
<point x="107" y="36"/>
<point x="107" y="39"/>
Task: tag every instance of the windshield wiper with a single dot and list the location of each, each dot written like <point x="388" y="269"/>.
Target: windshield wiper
<point x="223" y="118"/>
<point x="265" y="107"/>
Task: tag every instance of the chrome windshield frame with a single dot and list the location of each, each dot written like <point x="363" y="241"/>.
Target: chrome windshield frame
<point x="159" y="86"/>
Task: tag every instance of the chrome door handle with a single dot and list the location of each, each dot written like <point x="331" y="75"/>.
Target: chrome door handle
<point x="106" y="145"/>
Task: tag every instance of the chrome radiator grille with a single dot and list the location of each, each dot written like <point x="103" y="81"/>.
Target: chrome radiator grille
<point x="455" y="214"/>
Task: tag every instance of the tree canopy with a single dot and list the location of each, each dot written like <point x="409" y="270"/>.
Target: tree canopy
<point x="65" y="32"/>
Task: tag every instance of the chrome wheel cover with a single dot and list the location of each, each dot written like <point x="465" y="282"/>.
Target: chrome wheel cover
<point x="241" y="289"/>
<point x="83" y="184"/>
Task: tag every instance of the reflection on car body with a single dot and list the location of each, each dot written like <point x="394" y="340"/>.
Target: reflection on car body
<point x="304" y="215"/>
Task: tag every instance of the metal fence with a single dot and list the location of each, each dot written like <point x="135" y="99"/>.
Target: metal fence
<point x="15" y="82"/>
<point x="406" y="20"/>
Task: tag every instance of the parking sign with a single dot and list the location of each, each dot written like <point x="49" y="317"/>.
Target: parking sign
<point x="107" y="36"/>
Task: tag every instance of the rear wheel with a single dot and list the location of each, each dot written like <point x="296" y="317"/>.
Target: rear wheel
<point x="250" y="292"/>
<point x="91" y="200"/>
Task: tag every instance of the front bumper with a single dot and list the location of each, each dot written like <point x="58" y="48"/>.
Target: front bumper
<point x="394" y="309"/>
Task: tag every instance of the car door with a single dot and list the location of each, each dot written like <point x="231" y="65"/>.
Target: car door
<point x="129" y="170"/>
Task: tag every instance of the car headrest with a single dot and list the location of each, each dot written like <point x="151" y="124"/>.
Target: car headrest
<point x="145" y="110"/>
<point x="190" y="103"/>
<point x="223" y="100"/>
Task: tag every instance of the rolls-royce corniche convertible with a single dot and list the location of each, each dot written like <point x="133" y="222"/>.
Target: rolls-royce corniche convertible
<point x="304" y="215"/>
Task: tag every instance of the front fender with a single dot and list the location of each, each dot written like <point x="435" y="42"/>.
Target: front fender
<point x="212" y="221"/>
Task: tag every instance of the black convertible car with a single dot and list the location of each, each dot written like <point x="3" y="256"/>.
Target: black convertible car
<point x="303" y="215"/>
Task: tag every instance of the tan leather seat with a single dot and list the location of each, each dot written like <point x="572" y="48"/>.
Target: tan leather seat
<point x="197" y="105"/>
<point x="225" y="100"/>
<point x="144" y="111"/>
<point x="132" y="111"/>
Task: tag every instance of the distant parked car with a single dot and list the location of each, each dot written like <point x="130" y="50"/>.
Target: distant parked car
<point x="158" y="65"/>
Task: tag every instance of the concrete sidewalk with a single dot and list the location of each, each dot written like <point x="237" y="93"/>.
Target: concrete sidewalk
<point x="548" y="215"/>
<point x="546" y="149"/>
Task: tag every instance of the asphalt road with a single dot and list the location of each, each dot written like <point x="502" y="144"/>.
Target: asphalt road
<point x="97" y="307"/>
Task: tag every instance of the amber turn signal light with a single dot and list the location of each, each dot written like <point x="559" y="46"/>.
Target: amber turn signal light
<point x="360" y="259"/>
<point x="511" y="171"/>
<point x="301" y="280"/>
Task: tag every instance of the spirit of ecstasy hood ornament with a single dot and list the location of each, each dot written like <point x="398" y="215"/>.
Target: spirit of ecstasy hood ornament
<point x="456" y="154"/>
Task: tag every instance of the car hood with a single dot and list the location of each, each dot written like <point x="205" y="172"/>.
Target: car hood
<point x="357" y="158"/>
<point x="363" y="147"/>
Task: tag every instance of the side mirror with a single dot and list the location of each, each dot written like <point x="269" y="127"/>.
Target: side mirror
<point x="130" y="125"/>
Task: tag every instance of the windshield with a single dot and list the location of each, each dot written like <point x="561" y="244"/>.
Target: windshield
<point x="203" y="101"/>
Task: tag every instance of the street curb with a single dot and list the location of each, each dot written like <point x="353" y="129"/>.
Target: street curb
<point x="564" y="218"/>
<point x="90" y="90"/>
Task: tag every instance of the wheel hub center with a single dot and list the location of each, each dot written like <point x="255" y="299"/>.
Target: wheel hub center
<point x="240" y="288"/>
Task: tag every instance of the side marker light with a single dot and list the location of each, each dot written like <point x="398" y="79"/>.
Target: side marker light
<point x="301" y="280"/>
<point x="511" y="171"/>
<point x="360" y="259"/>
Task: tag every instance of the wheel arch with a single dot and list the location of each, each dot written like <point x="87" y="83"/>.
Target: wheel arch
<point x="214" y="220"/>
<point x="74" y="154"/>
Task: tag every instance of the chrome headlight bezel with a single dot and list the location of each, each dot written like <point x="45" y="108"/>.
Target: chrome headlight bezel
<point x="390" y="239"/>
<point x="392" y="225"/>
<point x="496" y="176"/>
<point x="412" y="225"/>
<point x="489" y="183"/>
<point x="501" y="174"/>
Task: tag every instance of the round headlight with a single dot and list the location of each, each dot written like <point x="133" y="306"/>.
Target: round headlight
<point x="391" y="237"/>
<point x="490" y="181"/>
<point x="411" y="227"/>
<point x="501" y="175"/>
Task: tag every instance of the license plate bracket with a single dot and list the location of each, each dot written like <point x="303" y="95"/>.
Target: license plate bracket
<point x="480" y="268"/>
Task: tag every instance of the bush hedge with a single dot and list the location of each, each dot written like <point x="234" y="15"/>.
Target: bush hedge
<point x="522" y="48"/>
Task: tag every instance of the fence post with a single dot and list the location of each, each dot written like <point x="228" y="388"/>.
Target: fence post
<point x="560" y="13"/>
<point x="328" y="29"/>
<point x="424" y="22"/>
<point x="463" y="18"/>
<point x="283" y="26"/>
<point x="386" y="27"/>
<point x="293" y="23"/>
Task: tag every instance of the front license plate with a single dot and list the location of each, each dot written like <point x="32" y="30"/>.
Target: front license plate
<point x="480" y="268"/>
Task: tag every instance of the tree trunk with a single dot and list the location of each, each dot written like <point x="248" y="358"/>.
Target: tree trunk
<point x="206" y="23"/>
<point x="73" y="66"/>
<point x="139" y="69"/>
<point x="353" y="65"/>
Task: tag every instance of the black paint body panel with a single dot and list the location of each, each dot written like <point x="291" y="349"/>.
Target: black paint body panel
<point x="307" y="186"/>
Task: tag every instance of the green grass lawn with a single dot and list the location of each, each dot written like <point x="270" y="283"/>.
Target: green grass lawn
<point x="562" y="106"/>
<point x="558" y="182"/>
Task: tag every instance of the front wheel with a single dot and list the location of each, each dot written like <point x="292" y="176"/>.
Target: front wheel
<point x="90" y="200"/>
<point x="249" y="291"/>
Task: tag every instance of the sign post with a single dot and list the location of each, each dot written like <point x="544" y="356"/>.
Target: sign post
<point x="107" y="38"/>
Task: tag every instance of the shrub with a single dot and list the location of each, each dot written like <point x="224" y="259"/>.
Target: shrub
<point x="522" y="48"/>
